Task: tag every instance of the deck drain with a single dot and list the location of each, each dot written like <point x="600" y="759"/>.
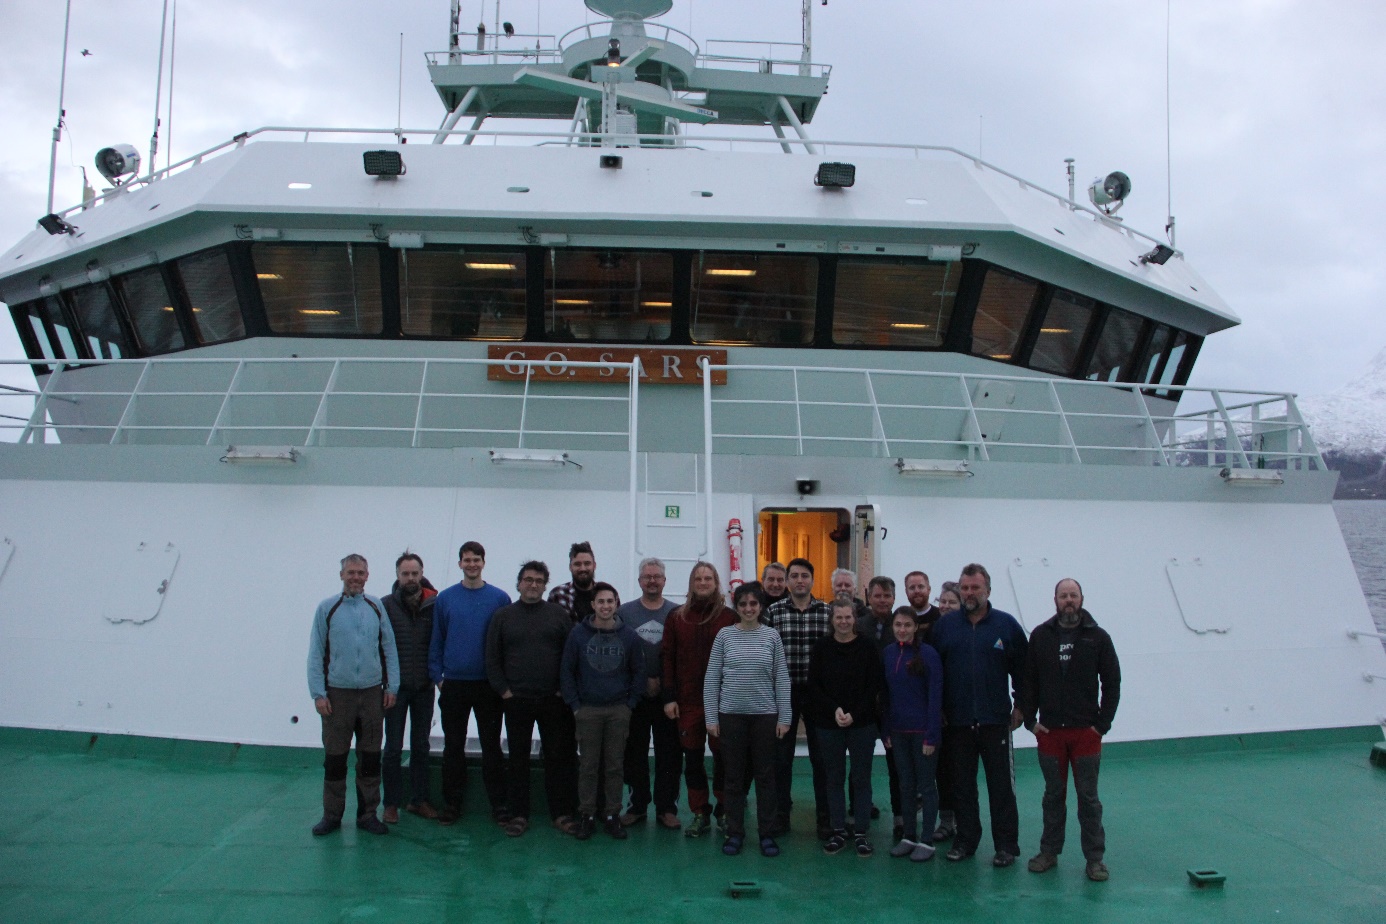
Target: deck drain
<point x="1202" y="878"/>
<point x="740" y="887"/>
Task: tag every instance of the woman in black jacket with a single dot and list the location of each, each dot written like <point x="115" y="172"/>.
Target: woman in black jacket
<point x="846" y="682"/>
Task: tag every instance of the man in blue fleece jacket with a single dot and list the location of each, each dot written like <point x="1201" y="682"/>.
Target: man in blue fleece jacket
<point x="981" y="647"/>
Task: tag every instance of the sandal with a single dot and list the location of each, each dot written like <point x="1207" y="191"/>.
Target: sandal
<point x="566" y="823"/>
<point x="516" y="827"/>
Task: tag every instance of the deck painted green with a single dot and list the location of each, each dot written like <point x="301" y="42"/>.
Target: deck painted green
<point x="119" y="829"/>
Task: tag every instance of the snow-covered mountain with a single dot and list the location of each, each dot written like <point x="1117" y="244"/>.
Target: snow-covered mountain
<point x="1349" y="426"/>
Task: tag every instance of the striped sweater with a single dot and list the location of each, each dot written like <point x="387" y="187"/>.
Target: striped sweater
<point x="747" y="675"/>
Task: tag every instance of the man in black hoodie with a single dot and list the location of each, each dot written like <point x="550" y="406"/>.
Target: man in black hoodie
<point x="1069" y="656"/>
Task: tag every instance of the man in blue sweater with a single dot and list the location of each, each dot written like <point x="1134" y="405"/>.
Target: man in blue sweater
<point x="457" y="664"/>
<point x="981" y="647"/>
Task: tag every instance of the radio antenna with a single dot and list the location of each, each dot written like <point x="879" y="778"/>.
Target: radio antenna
<point x="172" y="60"/>
<point x="62" y="113"/>
<point x="158" y="94"/>
<point x="1169" y="160"/>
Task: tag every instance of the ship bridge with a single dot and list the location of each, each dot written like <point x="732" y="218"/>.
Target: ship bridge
<point x="624" y="74"/>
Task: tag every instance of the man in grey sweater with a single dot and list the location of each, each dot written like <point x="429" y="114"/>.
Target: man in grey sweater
<point x="524" y="649"/>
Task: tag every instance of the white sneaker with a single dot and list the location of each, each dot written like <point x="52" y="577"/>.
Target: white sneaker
<point x="903" y="849"/>
<point x="922" y="853"/>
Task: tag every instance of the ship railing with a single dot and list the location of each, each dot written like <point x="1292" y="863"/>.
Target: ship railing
<point x="686" y="141"/>
<point x="777" y="58"/>
<point x="963" y="417"/>
<point x="498" y="49"/>
<point x="602" y="30"/>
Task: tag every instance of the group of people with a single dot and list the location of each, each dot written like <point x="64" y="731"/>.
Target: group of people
<point x="942" y="684"/>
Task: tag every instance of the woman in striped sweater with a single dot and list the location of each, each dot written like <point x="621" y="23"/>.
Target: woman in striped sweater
<point x="746" y="701"/>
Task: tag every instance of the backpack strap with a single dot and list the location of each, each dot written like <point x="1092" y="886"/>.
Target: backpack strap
<point x="327" y="640"/>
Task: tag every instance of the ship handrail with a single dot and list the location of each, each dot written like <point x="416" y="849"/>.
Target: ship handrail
<point x="688" y="44"/>
<point x="651" y="142"/>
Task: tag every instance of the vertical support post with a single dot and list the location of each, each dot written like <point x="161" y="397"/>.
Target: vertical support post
<point x="130" y="403"/>
<point x="1063" y="423"/>
<point x="322" y="402"/>
<point x="579" y="116"/>
<point x="798" y="413"/>
<point x="633" y="428"/>
<point x="793" y="118"/>
<point x="1307" y="444"/>
<point x="225" y="400"/>
<point x="779" y="133"/>
<point x="418" y="411"/>
<point x="876" y="414"/>
<point x="981" y="443"/>
<point x="1162" y="458"/>
<point x="524" y="403"/>
<point x="40" y="415"/>
<point x="1232" y="439"/>
<point x="707" y="456"/>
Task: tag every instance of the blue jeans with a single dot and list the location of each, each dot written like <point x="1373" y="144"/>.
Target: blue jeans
<point x="917" y="787"/>
<point x="836" y="743"/>
<point x="417" y="707"/>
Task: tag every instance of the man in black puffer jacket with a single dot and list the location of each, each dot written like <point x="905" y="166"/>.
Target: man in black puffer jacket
<point x="410" y="608"/>
<point x="1068" y="658"/>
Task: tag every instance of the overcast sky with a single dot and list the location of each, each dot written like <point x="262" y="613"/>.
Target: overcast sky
<point x="1278" y="135"/>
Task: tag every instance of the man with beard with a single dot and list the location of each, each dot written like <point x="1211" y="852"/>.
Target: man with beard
<point x="353" y="677"/>
<point x="688" y="636"/>
<point x="878" y="627"/>
<point x="457" y="664"/>
<point x="410" y="608"/>
<point x="801" y="619"/>
<point x="917" y="592"/>
<point x="576" y="595"/>
<point x="772" y="585"/>
<point x="981" y="647"/>
<point x="1069" y="657"/>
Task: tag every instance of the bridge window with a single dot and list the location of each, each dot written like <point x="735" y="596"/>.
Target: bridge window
<point x="608" y="295"/>
<point x="96" y="318"/>
<point x="1116" y="346"/>
<point x="1156" y="353"/>
<point x="36" y="320"/>
<point x="151" y="310"/>
<point x="748" y="299"/>
<point x="1002" y="308"/>
<point x="320" y="288"/>
<point x="206" y="279"/>
<point x="1061" y="333"/>
<point x="470" y="295"/>
<point x="893" y="303"/>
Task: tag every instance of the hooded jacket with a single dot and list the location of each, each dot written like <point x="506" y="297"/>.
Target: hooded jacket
<point x="914" y="691"/>
<point x="602" y="667"/>
<point x="685" y="652"/>
<point x="1067" y="697"/>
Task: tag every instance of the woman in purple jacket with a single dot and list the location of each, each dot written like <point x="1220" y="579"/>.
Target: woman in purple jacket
<point x="912" y="729"/>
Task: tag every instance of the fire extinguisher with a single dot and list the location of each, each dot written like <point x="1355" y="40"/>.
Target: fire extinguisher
<point x="734" y="555"/>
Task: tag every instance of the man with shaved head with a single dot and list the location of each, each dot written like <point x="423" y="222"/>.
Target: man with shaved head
<point x="1070" y="657"/>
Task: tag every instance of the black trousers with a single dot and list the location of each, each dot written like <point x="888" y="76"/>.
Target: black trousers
<point x="748" y="752"/>
<point x="648" y="720"/>
<point x="784" y="762"/>
<point x="415" y="705"/>
<point x="557" y="732"/>
<point x="457" y="701"/>
<point x="991" y="744"/>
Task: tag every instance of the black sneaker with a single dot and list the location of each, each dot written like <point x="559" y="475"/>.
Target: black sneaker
<point x="614" y="827"/>
<point x="326" y="826"/>
<point x="959" y="853"/>
<point x="371" y="825"/>
<point x="835" y="842"/>
<point x="1003" y="858"/>
<point x="945" y="831"/>
<point x="864" y="848"/>
<point x="586" y="827"/>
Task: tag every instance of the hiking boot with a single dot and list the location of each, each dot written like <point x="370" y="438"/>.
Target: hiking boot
<point x="903" y="849"/>
<point x="922" y="853"/>
<point x="700" y="825"/>
<point x="326" y="826"/>
<point x="391" y="815"/>
<point x="1097" y="871"/>
<point x="835" y="842"/>
<point x="1042" y="862"/>
<point x="371" y="825"/>
<point x="422" y="809"/>
<point x="864" y="848"/>
<point x="768" y="847"/>
<point x="1002" y="859"/>
<point x="586" y="827"/>
<point x="732" y="845"/>
<point x="613" y="827"/>
<point x="959" y="853"/>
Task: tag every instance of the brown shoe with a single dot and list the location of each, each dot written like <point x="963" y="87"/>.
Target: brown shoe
<point x="1097" y="871"/>
<point x="391" y="815"/>
<point x="670" y="821"/>
<point x="516" y="827"/>
<point x="632" y="818"/>
<point x="566" y="823"/>
<point x="422" y="809"/>
<point x="1042" y="862"/>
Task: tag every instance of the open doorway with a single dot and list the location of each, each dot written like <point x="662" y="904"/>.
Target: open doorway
<point x="821" y="536"/>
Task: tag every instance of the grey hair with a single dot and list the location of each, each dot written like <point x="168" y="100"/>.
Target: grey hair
<point x="850" y="574"/>
<point x="652" y="562"/>
<point x="843" y="602"/>
<point x="353" y="557"/>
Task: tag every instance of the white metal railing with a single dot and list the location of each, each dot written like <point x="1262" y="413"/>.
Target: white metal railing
<point x="596" y="139"/>
<point x="602" y="30"/>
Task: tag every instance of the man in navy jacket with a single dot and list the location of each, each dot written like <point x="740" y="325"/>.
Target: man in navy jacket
<point x="981" y="648"/>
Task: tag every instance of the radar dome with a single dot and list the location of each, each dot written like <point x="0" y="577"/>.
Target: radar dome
<point x="638" y="9"/>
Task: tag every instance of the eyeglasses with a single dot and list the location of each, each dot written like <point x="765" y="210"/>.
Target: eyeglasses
<point x="534" y="580"/>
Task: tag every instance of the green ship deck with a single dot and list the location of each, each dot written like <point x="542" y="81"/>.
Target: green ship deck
<point x="122" y="829"/>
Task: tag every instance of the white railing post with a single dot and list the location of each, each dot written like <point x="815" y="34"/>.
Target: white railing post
<point x="1307" y="445"/>
<point x="707" y="453"/>
<point x="524" y="404"/>
<point x="798" y="413"/>
<point x="1150" y="430"/>
<point x="225" y="400"/>
<point x="40" y="415"/>
<point x="980" y="443"/>
<point x="130" y="403"/>
<point x="1063" y="422"/>
<point x="876" y="411"/>
<point x="633" y="444"/>
<point x="322" y="403"/>
<point x="1232" y="438"/>
<point x="418" y="411"/>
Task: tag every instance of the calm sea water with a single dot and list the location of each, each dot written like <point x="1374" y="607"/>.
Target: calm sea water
<point x="1364" y="528"/>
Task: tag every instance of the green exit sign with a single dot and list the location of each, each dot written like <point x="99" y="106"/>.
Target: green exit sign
<point x="671" y="513"/>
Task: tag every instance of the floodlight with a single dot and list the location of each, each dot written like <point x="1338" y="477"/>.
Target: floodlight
<point x="611" y="161"/>
<point x="1159" y="256"/>
<point x="1108" y="193"/>
<point x="384" y="164"/>
<point x="835" y="176"/>
<point x="119" y="160"/>
<point x="527" y="458"/>
<point x="1251" y="478"/>
<point x="933" y="468"/>
<point x="261" y="454"/>
<point x="56" y="224"/>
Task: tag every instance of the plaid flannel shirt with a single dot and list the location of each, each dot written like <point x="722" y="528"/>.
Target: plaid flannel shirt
<point x="800" y="630"/>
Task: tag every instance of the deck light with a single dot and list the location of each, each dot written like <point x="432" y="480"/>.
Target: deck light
<point x="320" y="312"/>
<point x="611" y="161"/>
<point x="530" y="458"/>
<point x="933" y="468"/>
<point x="300" y="185"/>
<point x="268" y="276"/>
<point x="1055" y="330"/>
<point x="657" y="304"/>
<point x="731" y="272"/>
<point x="1159" y="256"/>
<point x="117" y="161"/>
<point x="490" y="266"/>
<point x="572" y="301"/>
<point x="835" y="176"/>
<point x="1109" y="192"/>
<point x="261" y="454"/>
<point x="383" y="164"/>
<point x="1251" y="478"/>
<point x="901" y="325"/>
<point x="55" y="224"/>
<point x="613" y="53"/>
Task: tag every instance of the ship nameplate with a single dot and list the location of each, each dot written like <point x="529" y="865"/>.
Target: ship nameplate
<point x="659" y="365"/>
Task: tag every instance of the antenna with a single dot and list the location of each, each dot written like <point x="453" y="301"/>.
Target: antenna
<point x="158" y="93"/>
<point x="1169" y="169"/>
<point x="172" y="60"/>
<point x="58" y="128"/>
<point x="399" y="100"/>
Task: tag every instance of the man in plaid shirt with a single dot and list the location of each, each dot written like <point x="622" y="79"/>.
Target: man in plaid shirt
<point x="576" y="595"/>
<point x="801" y="619"/>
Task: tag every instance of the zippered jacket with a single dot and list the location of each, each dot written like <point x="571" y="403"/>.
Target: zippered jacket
<point x="602" y="667"/>
<point x="685" y="652"/>
<point x="914" y="691"/>
<point x="1061" y="687"/>
<point x="413" y="630"/>
<point x="977" y="660"/>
